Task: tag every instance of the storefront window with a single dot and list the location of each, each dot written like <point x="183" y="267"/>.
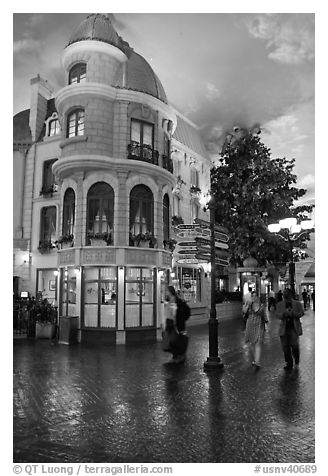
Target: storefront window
<point x="47" y="285"/>
<point x="190" y="284"/>
<point x="140" y="297"/>
<point x="100" y="297"/>
<point x="68" y="307"/>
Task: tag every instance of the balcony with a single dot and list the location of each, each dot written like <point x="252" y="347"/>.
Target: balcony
<point x="145" y="153"/>
<point x="168" y="163"/>
<point x="48" y="190"/>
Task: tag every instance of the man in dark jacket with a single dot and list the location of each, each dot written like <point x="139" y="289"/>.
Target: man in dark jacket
<point x="290" y="311"/>
<point x="179" y="347"/>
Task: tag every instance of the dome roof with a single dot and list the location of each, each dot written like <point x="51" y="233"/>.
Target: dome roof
<point x="139" y="76"/>
<point x="21" y="128"/>
<point x="97" y="27"/>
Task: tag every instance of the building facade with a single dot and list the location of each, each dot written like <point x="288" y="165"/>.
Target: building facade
<point x="104" y="171"/>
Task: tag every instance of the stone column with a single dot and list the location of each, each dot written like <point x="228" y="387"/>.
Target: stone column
<point x="121" y="211"/>
<point x="80" y="210"/>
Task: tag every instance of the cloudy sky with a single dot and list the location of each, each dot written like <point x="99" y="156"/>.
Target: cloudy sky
<point x="219" y="69"/>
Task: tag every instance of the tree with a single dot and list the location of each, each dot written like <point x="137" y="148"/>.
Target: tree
<point x="252" y="190"/>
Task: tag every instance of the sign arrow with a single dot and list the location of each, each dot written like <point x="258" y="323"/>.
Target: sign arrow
<point x="204" y="223"/>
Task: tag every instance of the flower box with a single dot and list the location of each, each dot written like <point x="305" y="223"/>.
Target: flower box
<point x="144" y="244"/>
<point x="97" y="242"/>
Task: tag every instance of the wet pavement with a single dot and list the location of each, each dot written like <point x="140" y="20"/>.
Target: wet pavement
<point x="119" y="404"/>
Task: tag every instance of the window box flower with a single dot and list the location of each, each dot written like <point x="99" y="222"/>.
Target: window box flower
<point x="65" y="241"/>
<point x="169" y="244"/>
<point x="100" y="239"/>
<point x="176" y="220"/>
<point x="195" y="191"/>
<point x="45" y="246"/>
<point x="144" y="240"/>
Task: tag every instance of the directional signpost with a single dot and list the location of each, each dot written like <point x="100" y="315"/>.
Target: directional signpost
<point x="217" y="239"/>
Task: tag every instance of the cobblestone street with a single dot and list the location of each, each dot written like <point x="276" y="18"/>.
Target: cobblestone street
<point x="122" y="404"/>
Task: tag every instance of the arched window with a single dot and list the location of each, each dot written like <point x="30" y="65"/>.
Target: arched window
<point x="78" y="73"/>
<point x="48" y="224"/>
<point x="166" y="217"/>
<point x="75" y="123"/>
<point x="100" y="214"/>
<point x="141" y="210"/>
<point x="68" y="212"/>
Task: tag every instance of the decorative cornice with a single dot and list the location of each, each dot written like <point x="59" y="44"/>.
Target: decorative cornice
<point x="114" y="94"/>
<point x="65" y="166"/>
<point x="86" y="46"/>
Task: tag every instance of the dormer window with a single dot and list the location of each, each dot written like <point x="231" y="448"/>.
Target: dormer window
<point x="75" y="123"/>
<point x="78" y="73"/>
<point x="54" y="127"/>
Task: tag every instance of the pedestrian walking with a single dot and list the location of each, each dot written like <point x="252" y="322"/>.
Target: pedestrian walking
<point x="247" y="300"/>
<point x="313" y="300"/>
<point x="255" y="328"/>
<point x="279" y="296"/>
<point x="305" y="298"/>
<point x="290" y="311"/>
<point x="175" y="339"/>
<point x="271" y="300"/>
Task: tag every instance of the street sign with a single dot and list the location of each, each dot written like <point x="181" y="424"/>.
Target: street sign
<point x="207" y="242"/>
<point x="207" y="224"/>
<point x="188" y="261"/>
<point x="218" y="253"/>
<point x="207" y="257"/>
<point x="218" y="236"/>
<point x="190" y="226"/>
<point x="221" y="262"/>
<point x="186" y="251"/>
<point x="186" y="243"/>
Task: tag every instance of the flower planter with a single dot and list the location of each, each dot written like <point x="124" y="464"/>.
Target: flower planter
<point x="67" y="244"/>
<point x="144" y="244"/>
<point x="97" y="242"/>
<point x="45" y="330"/>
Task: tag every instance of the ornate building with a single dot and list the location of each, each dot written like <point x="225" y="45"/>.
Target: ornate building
<point x="100" y="168"/>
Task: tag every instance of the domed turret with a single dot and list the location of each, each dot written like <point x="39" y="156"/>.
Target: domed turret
<point x="96" y="27"/>
<point x="138" y="74"/>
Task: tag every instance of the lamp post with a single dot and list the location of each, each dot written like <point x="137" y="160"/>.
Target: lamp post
<point x="294" y="231"/>
<point x="213" y="360"/>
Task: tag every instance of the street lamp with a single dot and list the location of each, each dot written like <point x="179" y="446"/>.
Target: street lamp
<point x="213" y="361"/>
<point x="294" y="231"/>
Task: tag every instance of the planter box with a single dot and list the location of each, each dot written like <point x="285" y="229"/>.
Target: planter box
<point x="97" y="242"/>
<point x="45" y="331"/>
<point x="67" y="244"/>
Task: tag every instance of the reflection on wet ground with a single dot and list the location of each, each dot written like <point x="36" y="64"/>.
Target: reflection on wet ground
<point x="122" y="404"/>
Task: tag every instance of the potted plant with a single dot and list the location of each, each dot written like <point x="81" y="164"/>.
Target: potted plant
<point x="169" y="244"/>
<point x="100" y="239"/>
<point x="176" y="220"/>
<point x="45" y="246"/>
<point x="46" y="320"/>
<point x="144" y="240"/>
<point x="180" y="183"/>
<point x="64" y="241"/>
<point x="195" y="191"/>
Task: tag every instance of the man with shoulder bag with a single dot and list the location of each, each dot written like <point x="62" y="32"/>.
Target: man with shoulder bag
<point x="177" y="337"/>
<point x="289" y="311"/>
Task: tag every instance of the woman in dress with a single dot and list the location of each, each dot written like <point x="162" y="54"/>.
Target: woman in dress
<point x="255" y="327"/>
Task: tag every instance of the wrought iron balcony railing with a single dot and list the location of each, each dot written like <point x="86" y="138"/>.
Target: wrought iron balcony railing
<point x="49" y="189"/>
<point x="142" y="152"/>
<point x="168" y="163"/>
